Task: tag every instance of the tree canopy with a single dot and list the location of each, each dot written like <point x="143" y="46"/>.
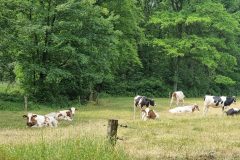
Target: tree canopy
<point x="60" y="50"/>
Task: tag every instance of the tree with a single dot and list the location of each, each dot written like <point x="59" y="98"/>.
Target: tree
<point x="201" y="31"/>
<point x="66" y="47"/>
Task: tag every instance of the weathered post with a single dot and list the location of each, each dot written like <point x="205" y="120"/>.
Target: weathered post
<point x="112" y="131"/>
<point x="25" y="103"/>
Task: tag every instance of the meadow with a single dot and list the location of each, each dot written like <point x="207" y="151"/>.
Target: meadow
<point x="183" y="136"/>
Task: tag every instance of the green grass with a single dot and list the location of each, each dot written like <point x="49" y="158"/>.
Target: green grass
<point x="86" y="148"/>
<point x="183" y="136"/>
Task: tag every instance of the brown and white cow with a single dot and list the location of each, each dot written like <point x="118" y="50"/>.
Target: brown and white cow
<point x="35" y="120"/>
<point x="64" y="114"/>
<point x="184" y="109"/>
<point x="177" y="96"/>
<point x="149" y="114"/>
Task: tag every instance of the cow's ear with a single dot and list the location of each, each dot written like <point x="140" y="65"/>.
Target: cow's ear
<point x="34" y="116"/>
<point x="24" y="116"/>
<point x="76" y="109"/>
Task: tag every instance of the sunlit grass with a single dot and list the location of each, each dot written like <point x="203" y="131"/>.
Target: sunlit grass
<point x="182" y="136"/>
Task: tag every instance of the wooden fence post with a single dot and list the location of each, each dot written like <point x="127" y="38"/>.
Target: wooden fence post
<point x="112" y="131"/>
<point x="26" y="103"/>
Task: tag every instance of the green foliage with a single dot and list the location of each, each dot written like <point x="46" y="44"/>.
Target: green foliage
<point x="62" y="42"/>
<point x="224" y="80"/>
<point x="60" y="50"/>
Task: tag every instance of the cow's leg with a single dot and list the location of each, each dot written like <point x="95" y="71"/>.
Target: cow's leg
<point x="223" y="108"/>
<point x="40" y="125"/>
<point x="171" y="102"/>
<point x="134" y="111"/>
<point x="144" y="116"/>
<point x="177" y="102"/>
<point x="205" y="110"/>
<point x="182" y="101"/>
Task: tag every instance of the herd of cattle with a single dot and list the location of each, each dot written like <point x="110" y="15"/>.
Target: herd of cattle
<point x="51" y="119"/>
<point x="178" y="96"/>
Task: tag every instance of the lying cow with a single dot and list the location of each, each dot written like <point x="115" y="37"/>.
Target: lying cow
<point x="217" y="102"/>
<point x="184" y="109"/>
<point x="142" y="101"/>
<point x="149" y="114"/>
<point x="233" y="111"/>
<point x="177" y="96"/>
<point x="34" y="120"/>
<point x="64" y="114"/>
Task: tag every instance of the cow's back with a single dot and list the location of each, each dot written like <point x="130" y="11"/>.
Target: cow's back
<point x="179" y="95"/>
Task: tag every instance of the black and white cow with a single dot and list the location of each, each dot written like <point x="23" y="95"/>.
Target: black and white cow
<point x="217" y="102"/>
<point x="142" y="101"/>
<point x="233" y="111"/>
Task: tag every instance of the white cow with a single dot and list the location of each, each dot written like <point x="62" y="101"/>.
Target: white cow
<point x="34" y="120"/>
<point x="184" y="109"/>
<point x="149" y="114"/>
<point x="177" y="96"/>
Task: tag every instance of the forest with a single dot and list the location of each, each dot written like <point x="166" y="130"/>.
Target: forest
<point x="60" y="50"/>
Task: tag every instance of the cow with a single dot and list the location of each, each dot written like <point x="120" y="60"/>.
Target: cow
<point x="177" y="96"/>
<point x="35" y="120"/>
<point x="142" y="101"/>
<point x="217" y="102"/>
<point x="184" y="109"/>
<point x="64" y="114"/>
<point x="149" y="114"/>
<point x="233" y="111"/>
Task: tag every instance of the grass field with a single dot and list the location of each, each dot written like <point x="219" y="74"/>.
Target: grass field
<point x="184" y="136"/>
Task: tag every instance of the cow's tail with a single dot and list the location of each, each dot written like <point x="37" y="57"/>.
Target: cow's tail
<point x="204" y="98"/>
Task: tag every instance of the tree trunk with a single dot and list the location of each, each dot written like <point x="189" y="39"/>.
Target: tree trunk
<point x="175" y="77"/>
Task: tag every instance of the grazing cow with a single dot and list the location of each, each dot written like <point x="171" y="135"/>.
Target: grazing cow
<point x="149" y="114"/>
<point x="217" y="102"/>
<point x="142" y="101"/>
<point x="34" y="120"/>
<point x="184" y="109"/>
<point x="233" y="111"/>
<point x="177" y="96"/>
<point x="64" y="114"/>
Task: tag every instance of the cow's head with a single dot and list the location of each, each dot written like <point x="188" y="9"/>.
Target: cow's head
<point x="195" y="107"/>
<point x="234" y="99"/>
<point x="152" y="103"/>
<point x="31" y="119"/>
<point x="174" y="95"/>
<point x="72" y="110"/>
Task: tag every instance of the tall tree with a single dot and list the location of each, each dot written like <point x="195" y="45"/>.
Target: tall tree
<point x="200" y="30"/>
<point x="66" y="47"/>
